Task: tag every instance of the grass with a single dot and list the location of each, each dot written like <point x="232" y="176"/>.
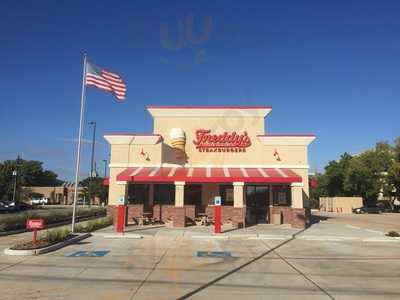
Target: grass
<point x="56" y="235"/>
<point x="49" y="237"/>
<point x="14" y="221"/>
<point x="93" y="225"/>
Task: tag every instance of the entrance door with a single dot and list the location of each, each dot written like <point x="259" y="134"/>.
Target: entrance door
<point x="257" y="203"/>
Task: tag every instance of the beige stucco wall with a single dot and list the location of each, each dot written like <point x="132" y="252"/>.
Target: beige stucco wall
<point x="131" y="154"/>
<point x="115" y="190"/>
<point x="340" y="204"/>
<point x="258" y="154"/>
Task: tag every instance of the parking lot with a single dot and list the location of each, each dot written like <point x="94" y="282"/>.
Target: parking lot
<point x="331" y="260"/>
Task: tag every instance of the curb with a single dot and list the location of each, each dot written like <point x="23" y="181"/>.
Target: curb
<point x="117" y="235"/>
<point x="47" y="249"/>
<point x="271" y="237"/>
<point x="216" y="237"/>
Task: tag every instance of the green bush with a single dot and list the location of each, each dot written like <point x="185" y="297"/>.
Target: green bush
<point x="393" y="234"/>
<point x="50" y="215"/>
<point x="56" y="235"/>
<point x="93" y="225"/>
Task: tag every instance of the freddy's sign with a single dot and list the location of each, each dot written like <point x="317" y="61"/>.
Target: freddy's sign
<point x="34" y="224"/>
<point x="223" y="142"/>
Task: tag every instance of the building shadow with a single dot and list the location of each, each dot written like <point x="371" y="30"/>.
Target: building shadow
<point x="314" y="219"/>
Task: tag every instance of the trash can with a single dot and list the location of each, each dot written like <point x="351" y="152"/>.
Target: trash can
<point x="277" y="218"/>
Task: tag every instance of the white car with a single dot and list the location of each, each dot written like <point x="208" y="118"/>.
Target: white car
<point x="40" y="201"/>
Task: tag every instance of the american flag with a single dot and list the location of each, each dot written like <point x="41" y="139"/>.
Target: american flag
<point x="105" y="80"/>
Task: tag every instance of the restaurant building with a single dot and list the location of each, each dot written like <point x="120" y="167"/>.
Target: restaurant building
<point x="196" y="153"/>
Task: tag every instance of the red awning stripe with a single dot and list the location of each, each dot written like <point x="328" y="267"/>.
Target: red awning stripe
<point x="198" y="175"/>
<point x="289" y="172"/>
<point x="272" y="172"/>
<point x="125" y="175"/>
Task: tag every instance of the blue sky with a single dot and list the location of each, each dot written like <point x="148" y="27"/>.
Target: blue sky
<point x="326" y="67"/>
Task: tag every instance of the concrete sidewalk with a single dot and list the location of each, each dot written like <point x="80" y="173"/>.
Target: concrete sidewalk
<point x="166" y="265"/>
<point x="198" y="232"/>
<point x="322" y="231"/>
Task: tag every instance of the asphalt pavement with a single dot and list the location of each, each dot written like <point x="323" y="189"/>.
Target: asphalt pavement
<point x="183" y="266"/>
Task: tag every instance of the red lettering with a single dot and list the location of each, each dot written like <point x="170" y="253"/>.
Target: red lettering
<point x="225" y="142"/>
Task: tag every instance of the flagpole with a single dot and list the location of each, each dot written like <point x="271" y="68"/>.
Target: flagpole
<point x="78" y="152"/>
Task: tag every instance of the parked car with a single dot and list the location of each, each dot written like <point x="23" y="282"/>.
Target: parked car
<point x="375" y="209"/>
<point x="7" y="206"/>
<point x="40" y="201"/>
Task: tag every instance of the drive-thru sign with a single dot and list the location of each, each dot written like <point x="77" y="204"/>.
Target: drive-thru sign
<point x="34" y="224"/>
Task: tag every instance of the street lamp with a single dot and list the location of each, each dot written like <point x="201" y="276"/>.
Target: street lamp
<point x="15" y="173"/>
<point x="92" y="160"/>
<point x="105" y="167"/>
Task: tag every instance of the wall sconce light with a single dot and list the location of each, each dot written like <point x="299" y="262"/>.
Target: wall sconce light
<point x="143" y="153"/>
<point x="276" y="155"/>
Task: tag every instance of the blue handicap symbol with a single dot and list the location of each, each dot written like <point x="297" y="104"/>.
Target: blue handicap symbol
<point x="218" y="254"/>
<point x="89" y="253"/>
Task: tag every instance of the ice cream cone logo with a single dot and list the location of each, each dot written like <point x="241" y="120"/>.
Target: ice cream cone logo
<point x="178" y="141"/>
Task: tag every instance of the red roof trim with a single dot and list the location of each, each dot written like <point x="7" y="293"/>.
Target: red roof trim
<point x="289" y="135"/>
<point x="215" y="179"/>
<point x="208" y="107"/>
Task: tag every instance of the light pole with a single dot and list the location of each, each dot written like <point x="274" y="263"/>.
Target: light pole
<point x="15" y="173"/>
<point x="105" y="167"/>
<point x="92" y="161"/>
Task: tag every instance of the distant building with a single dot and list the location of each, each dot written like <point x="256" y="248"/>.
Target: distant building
<point x="63" y="194"/>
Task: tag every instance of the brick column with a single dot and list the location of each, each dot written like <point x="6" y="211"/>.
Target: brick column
<point x="297" y="194"/>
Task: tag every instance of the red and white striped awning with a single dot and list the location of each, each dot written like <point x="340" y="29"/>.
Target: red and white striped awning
<point x="198" y="175"/>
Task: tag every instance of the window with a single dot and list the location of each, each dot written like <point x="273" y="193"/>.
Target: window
<point x="257" y="195"/>
<point x="281" y="195"/>
<point x="193" y="194"/>
<point x="164" y="194"/>
<point x="138" y="193"/>
<point x="226" y="192"/>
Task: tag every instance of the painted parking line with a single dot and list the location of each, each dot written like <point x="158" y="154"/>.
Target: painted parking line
<point x="316" y="238"/>
<point x="374" y="231"/>
<point x="353" y="227"/>
<point x="214" y="254"/>
<point x="329" y="238"/>
<point x="379" y="240"/>
<point x="216" y="237"/>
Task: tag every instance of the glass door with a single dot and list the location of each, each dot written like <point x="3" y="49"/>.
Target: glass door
<point x="257" y="204"/>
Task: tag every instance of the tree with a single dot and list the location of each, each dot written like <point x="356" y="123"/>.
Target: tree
<point x="97" y="189"/>
<point x="30" y="173"/>
<point x="334" y="177"/>
<point x="393" y="177"/>
<point x="367" y="173"/>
